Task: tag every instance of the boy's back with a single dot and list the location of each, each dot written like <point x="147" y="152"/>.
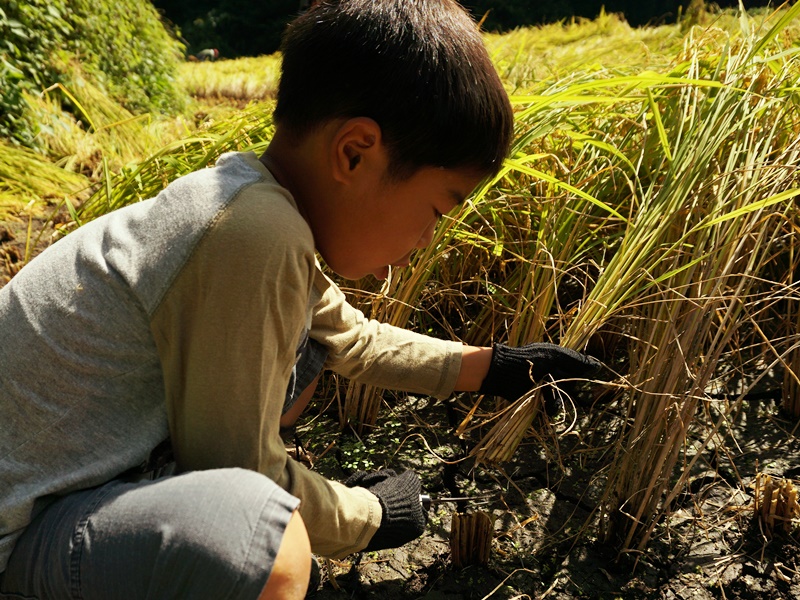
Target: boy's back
<point x="92" y="404"/>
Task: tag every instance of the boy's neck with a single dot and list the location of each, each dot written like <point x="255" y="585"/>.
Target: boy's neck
<point x="286" y="159"/>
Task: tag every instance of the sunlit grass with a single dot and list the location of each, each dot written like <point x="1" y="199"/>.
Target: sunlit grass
<point x="97" y="136"/>
<point x="252" y="78"/>
<point x="27" y="182"/>
<point x="247" y="130"/>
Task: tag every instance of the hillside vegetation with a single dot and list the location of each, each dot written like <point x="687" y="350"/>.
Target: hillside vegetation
<point x="121" y="45"/>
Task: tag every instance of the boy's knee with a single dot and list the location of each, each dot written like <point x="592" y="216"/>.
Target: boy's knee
<point x="292" y="567"/>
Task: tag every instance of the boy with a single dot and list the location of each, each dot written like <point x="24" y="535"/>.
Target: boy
<point x="200" y="316"/>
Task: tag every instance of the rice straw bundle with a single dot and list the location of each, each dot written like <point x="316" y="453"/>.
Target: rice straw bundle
<point x="361" y="406"/>
<point x="470" y="539"/>
<point x="776" y="506"/>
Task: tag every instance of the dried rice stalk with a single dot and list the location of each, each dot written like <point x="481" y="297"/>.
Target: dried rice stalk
<point x="499" y="445"/>
<point x="791" y="377"/>
<point x="361" y="405"/>
<point x="791" y="383"/>
<point x="470" y="539"/>
<point x="775" y="504"/>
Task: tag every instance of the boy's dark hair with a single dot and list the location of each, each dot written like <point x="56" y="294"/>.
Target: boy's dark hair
<point x="417" y="67"/>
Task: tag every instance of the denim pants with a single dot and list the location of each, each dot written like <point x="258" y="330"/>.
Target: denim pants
<point x="203" y="534"/>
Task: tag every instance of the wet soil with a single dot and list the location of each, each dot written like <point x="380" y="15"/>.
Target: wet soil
<point x="543" y="507"/>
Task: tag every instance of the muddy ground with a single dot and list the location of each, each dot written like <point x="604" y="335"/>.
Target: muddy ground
<point x="545" y="542"/>
<point x="542" y="503"/>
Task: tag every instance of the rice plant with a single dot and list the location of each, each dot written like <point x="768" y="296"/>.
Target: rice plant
<point x="527" y="56"/>
<point x="26" y="180"/>
<point x="791" y="378"/>
<point x="638" y="215"/>
<point x="248" y="130"/>
<point x="724" y="135"/>
<point x="97" y="136"/>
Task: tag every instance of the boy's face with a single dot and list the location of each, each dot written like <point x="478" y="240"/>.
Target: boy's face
<point x="385" y="221"/>
<point x="363" y="221"/>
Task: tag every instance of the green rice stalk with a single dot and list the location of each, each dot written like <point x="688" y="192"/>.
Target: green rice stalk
<point x="685" y="265"/>
<point x="703" y="284"/>
<point x="25" y="179"/>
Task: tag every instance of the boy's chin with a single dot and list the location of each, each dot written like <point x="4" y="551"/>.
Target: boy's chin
<point x="381" y="274"/>
<point x="354" y="274"/>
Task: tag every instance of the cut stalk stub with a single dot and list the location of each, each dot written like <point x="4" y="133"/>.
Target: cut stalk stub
<point x="776" y="504"/>
<point x="470" y="539"/>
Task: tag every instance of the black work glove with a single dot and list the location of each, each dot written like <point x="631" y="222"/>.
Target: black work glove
<point x="514" y="371"/>
<point x="403" y="517"/>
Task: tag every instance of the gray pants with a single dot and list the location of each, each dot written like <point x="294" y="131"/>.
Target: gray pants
<point x="204" y="534"/>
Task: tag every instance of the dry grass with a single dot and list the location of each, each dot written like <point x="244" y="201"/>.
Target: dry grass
<point x="642" y="215"/>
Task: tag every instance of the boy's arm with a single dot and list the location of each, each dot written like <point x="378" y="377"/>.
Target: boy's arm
<point x="380" y="354"/>
<point x="226" y="333"/>
<point x="394" y="358"/>
<point x="475" y="361"/>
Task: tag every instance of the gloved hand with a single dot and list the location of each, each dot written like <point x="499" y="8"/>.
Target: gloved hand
<point x="514" y="371"/>
<point x="403" y="517"/>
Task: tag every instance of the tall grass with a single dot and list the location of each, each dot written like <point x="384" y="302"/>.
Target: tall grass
<point x="692" y="254"/>
<point x="791" y="380"/>
<point x="97" y="136"/>
<point x="527" y="56"/>
<point x="641" y="215"/>
<point x="247" y="130"/>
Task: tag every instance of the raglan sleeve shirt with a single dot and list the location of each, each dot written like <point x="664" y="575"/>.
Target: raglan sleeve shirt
<point x="226" y="333"/>
<point x="180" y="316"/>
<point x="380" y="354"/>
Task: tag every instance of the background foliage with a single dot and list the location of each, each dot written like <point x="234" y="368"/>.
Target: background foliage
<point x="122" y="45"/>
<point x="239" y="28"/>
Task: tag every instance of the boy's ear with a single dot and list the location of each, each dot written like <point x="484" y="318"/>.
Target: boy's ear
<point x="356" y="146"/>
